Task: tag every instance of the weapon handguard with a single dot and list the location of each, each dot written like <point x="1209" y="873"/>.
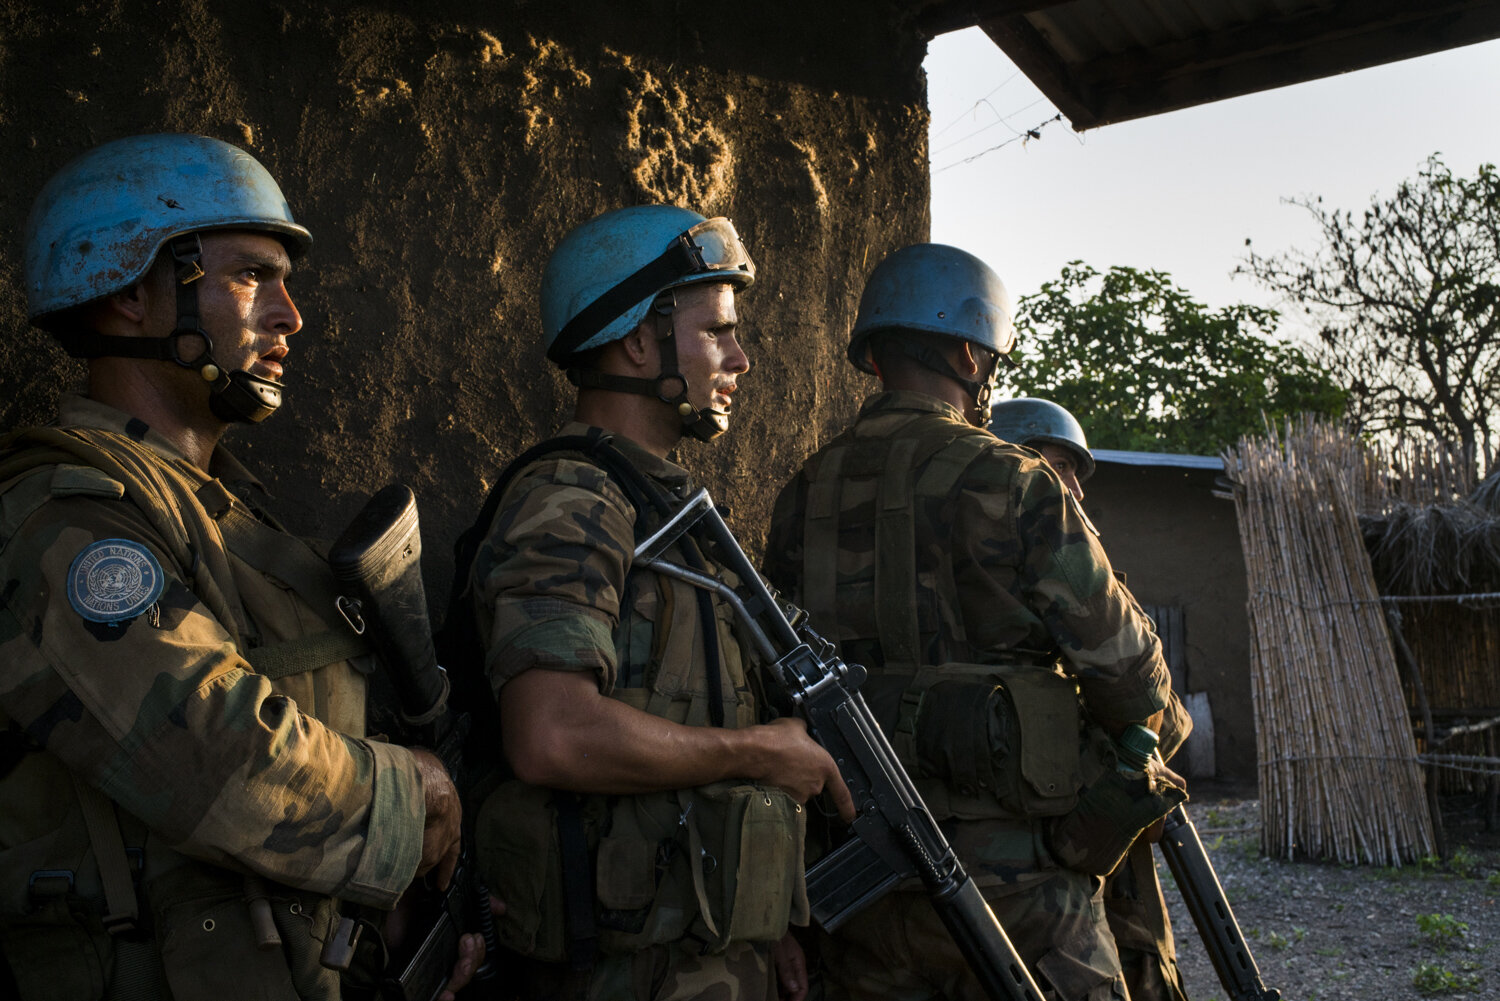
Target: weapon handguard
<point x="377" y="561"/>
<point x="895" y="834"/>
<point x="1205" y="900"/>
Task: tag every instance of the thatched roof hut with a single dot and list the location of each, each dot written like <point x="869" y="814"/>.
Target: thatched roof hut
<point x="1437" y="567"/>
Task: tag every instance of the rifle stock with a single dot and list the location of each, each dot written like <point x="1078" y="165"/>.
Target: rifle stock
<point x="895" y="835"/>
<point x="1204" y="896"/>
<point x="377" y="560"/>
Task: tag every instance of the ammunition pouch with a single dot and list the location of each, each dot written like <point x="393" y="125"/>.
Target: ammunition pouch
<point x="208" y="942"/>
<point x="721" y="863"/>
<point x="1112" y="812"/>
<point x="985" y="741"/>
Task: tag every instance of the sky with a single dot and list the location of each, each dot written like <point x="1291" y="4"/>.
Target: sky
<point x="1182" y="191"/>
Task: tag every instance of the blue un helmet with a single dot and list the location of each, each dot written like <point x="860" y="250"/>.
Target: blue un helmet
<point x="1030" y="421"/>
<point x="100" y="222"/>
<point x="936" y="289"/>
<point x="606" y="276"/>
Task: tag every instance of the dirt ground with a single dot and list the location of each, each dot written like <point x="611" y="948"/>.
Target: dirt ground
<point x="1322" y="932"/>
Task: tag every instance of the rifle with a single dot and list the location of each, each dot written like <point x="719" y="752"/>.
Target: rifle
<point x="377" y="561"/>
<point x="1205" y="900"/>
<point x="895" y="835"/>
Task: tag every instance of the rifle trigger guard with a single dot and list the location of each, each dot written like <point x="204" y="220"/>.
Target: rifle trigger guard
<point x="349" y="608"/>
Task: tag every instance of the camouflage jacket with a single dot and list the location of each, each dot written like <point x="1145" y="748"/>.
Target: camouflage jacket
<point x="126" y="654"/>
<point x="1006" y="568"/>
<point x="554" y="589"/>
<point x="1028" y="575"/>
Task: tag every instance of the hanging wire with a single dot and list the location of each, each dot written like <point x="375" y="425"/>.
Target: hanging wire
<point x="975" y="107"/>
<point x="1035" y="132"/>
<point x="999" y="120"/>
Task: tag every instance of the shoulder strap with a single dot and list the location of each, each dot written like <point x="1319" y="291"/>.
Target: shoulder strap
<point x="455" y="632"/>
<point x="200" y="524"/>
<point x="892" y="466"/>
<point x="460" y="648"/>
<point x="190" y="535"/>
<point x="121" y="905"/>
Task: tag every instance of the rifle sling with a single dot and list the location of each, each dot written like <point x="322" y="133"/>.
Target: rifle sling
<point x="578" y="884"/>
<point x="281" y="660"/>
<point x="294" y="563"/>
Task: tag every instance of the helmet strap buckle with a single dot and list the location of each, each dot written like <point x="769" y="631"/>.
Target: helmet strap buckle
<point x="232" y="396"/>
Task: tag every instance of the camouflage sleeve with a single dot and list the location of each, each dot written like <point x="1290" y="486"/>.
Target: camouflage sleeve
<point x="783" y="560"/>
<point x="1065" y="579"/>
<point x="549" y="577"/>
<point x="159" y="711"/>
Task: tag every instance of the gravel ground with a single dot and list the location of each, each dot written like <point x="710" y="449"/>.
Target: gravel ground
<point x="1323" y="931"/>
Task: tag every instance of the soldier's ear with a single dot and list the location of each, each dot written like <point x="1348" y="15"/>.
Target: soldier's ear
<point x="640" y="343"/>
<point x="130" y="304"/>
<point x="134" y="305"/>
<point x="967" y="364"/>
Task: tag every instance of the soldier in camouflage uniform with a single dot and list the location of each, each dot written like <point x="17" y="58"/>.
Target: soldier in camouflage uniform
<point x="649" y="844"/>
<point x="1133" y="901"/>
<point x="188" y="791"/>
<point x="959" y="571"/>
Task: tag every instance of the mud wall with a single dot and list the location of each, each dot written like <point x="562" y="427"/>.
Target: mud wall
<point x="1179" y="545"/>
<point x="437" y="150"/>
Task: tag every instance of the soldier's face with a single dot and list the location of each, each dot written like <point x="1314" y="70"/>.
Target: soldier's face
<point x="708" y="353"/>
<point x="244" y="303"/>
<point x="1064" y="465"/>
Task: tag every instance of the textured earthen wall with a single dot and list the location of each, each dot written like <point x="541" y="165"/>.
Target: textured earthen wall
<point x="437" y="151"/>
<point x="1180" y="545"/>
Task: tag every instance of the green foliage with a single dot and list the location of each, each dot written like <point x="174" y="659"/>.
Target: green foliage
<point x="1493" y="879"/>
<point x="1145" y="367"/>
<point x="1405" y="300"/>
<point x="1280" y="942"/>
<point x="1430" y="978"/>
<point x="1464" y="863"/>
<point x="1441" y="930"/>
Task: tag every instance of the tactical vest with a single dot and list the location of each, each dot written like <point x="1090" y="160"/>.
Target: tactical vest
<point x="981" y="740"/>
<point x="90" y="905"/>
<point x="720" y="863"/>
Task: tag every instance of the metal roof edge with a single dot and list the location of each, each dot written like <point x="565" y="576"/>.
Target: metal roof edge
<point x="1124" y="458"/>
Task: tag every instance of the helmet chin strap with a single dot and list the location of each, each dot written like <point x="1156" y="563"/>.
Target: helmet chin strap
<point x="232" y="396"/>
<point x="979" y="390"/>
<point x="703" y="425"/>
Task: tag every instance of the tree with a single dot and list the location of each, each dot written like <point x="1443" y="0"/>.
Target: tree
<point x="1145" y="367"/>
<point x="1406" y="299"/>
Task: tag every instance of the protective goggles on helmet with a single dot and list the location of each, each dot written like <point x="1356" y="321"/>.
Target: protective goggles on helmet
<point x="710" y="248"/>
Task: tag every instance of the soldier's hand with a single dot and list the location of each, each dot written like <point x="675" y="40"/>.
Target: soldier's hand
<point x="801" y="766"/>
<point x="471" y="953"/>
<point x="1161" y="775"/>
<point x="440" y="831"/>
<point x="790" y="964"/>
<point x="470" y="958"/>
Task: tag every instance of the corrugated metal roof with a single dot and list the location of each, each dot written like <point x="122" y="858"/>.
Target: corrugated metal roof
<point x="1157" y="459"/>
<point x="1103" y="61"/>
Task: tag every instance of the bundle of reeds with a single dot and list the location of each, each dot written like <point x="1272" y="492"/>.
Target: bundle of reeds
<point x="1339" y="775"/>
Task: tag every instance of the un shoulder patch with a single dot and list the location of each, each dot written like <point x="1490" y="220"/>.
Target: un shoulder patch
<point x="113" y="580"/>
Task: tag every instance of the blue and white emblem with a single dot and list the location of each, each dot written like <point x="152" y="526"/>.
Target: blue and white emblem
<point x="114" y="580"/>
